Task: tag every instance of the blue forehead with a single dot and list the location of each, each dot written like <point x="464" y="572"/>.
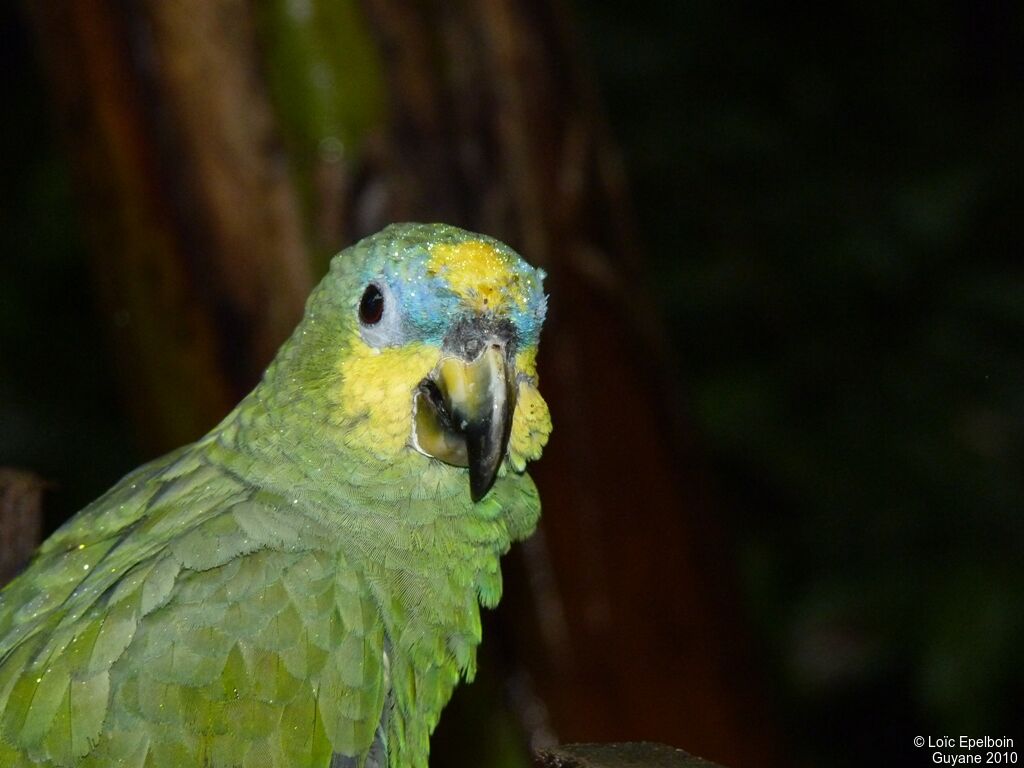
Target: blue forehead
<point x="400" y="256"/>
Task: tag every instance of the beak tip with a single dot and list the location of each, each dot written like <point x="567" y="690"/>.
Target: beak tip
<point x="480" y="485"/>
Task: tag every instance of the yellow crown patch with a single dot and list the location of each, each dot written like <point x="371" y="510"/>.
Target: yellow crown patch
<point x="478" y="273"/>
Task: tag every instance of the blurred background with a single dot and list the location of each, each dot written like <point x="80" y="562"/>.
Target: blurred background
<point x="785" y="353"/>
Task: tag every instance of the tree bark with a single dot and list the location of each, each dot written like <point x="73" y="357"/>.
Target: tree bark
<point x="21" y="519"/>
<point x="198" y="243"/>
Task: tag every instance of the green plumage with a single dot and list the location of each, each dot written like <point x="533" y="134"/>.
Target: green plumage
<point x="285" y="591"/>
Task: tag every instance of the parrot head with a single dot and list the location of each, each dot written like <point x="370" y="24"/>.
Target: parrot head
<point x="438" y="341"/>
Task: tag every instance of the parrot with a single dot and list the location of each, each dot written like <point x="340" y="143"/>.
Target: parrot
<point x="302" y="586"/>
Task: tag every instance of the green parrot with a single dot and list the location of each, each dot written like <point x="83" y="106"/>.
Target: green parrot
<point x="302" y="586"/>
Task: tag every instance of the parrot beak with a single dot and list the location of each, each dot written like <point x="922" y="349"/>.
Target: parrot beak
<point x="462" y="411"/>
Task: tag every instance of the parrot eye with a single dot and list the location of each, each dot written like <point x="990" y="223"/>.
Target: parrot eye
<point x="371" y="306"/>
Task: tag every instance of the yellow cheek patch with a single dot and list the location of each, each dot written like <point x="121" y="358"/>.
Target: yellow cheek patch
<point x="375" y="400"/>
<point x="526" y="362"/>
<point x="479" y="274"/>
<point x="376" y="393"/>
<point x="531" y="425"/>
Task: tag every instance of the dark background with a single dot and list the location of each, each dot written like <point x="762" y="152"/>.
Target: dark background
<point x="827" y="204"/>
<point x="831" y="200"/>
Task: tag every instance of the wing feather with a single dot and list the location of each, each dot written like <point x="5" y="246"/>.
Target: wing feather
<point x="185" y="618"/>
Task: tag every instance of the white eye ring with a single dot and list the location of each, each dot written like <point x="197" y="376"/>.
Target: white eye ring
<point x="380" y="322"/>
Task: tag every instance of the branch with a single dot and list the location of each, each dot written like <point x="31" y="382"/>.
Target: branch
<point x="639" y="754"/>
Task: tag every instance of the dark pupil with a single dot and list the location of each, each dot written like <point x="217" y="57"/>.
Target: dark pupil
<point x="371" y="306"/>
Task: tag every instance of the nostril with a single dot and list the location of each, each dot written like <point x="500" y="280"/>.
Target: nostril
<point x="472" y="348"/>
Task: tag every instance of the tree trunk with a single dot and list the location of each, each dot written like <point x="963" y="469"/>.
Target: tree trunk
<point x="21" y="519"/>
<point x="199" y="253"/>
